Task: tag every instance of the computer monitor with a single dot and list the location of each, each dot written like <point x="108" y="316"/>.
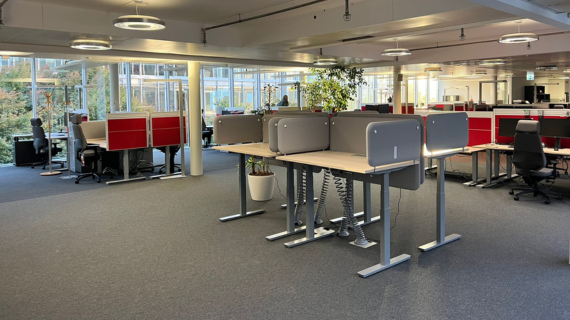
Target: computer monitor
<point x="381" y="108"/>
<point x="556" y="128"/>
<point x="507" y="127"/>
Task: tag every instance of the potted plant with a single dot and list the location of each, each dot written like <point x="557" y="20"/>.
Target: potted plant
<point x="261" y="180"/>
<point x="333" y="88"/>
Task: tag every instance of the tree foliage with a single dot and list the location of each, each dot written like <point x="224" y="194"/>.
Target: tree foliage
<point x="333" y="88"/>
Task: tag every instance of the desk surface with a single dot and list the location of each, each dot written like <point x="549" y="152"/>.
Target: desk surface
<point x="102" y="143"/>
<point x="342" y="161"/>
<point x="254" y="149"/>
<point x="504" y="147"/>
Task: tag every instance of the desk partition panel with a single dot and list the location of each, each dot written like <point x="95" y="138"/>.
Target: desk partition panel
<point x="287" y="114"/>
<point x="404" y="144"/>
<point x="237" y="129"/>
<point x="447" y="131"/>
<point x="127" y="131"/>
<point x="165" y="129"/>
<point x="295" y="135"/>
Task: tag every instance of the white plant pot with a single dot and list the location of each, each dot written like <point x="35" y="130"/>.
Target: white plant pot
<point x="261" y="187"/>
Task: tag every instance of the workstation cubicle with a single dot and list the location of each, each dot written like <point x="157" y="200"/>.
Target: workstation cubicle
<point x="352" y="146"/>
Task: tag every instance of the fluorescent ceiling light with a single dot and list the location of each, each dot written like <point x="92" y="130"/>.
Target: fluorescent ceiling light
<point x="480" y="72"/>
<point x="564" y="78"/>
<point x="85" y="44"/>
<point x="436" y="69"/>
<point x="492" y="62"/>
<point x="139" y="22"/>
<point x="506" y="75"/>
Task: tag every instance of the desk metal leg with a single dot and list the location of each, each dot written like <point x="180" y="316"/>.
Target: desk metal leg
<point x="310" y="233"/>
<point x="441" y="239"/>
<point x="242" y="195"/>
<point x="497" y="164"/>
<point x="291" y="229"/>
<point x="385" y="261"/>
<point x="509" y="166"/>
<point x="474" y="170"/>
<point x="126" y="169"/>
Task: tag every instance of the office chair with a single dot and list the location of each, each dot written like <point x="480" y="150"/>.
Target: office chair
<point x="173" y="166"/>
<point x="41" y="144"/>
<point x="530" y="161"/>
<point x="87" y="154"/>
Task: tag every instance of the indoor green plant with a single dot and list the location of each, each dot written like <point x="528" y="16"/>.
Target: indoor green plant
<point x="261" y="179"/>
<point x="333" y="88"/>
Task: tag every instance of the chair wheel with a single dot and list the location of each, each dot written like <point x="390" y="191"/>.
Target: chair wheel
<point x="32" y="167"/>
<point x="516" y="198"/>
<point x="511" y="192"/>
<point x="61" y="165"/>
<point x="76" y="182"/>
<point x="547" y="201"/>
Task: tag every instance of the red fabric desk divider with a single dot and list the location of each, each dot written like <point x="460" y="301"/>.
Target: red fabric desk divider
<point x="127" y="130"/>
<point x="165" y="129"/>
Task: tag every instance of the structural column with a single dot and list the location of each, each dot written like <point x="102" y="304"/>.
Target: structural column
<point x="397" y="90"/>
<point x="195" y="115"/>
<point x="114" y="86"/>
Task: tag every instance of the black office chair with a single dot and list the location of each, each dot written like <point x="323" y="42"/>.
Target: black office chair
<point x="173" y="166"/>
<point x="41" y="144"/>
<point x="206" y="134"/>
<point x="530" y="161"/>
<point x="87" y="154"/>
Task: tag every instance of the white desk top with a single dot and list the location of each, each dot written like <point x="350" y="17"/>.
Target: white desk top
<point x="102" y="143"/>
<point x="342" y="161"/>
<point x="504" y="147"/>
<point x="254" y="149"/>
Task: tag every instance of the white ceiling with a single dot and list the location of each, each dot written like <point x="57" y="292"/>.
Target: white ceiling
<point x="559" y="6"/>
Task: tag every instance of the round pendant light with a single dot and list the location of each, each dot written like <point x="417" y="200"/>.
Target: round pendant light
<point x="396" y="52"/>
<point x="86" y="44"/>
<point x="518" y="37"/>
<point x="139" y="22"/>
<point x="324" y="61"/>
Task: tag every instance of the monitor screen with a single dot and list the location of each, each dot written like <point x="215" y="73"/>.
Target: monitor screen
<point x="371" y="107"/>
<point x="381" y="108"/>
<point x="507" y="127"/>
<point x="556" y="127"/>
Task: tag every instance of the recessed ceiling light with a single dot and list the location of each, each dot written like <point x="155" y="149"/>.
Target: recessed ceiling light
<point x="480" y="72"/>
<point x="518" y="37"/>
<point x="396" y="52"/>
<point x="436" y="69"/>
<point x="566" y="71"/>
<point x="492" y="62"/>
<point x="507" y="75"/>
<point x="564" y="78"/>
<point x="86" y="44"/>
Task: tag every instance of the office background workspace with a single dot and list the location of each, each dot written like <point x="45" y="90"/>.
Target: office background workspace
<point x="420" y="97"/>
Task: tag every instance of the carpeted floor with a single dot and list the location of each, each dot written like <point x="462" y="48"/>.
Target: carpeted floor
<point x="156" y="250"/>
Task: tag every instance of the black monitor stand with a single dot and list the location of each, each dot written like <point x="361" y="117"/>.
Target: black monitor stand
<point x="557" y="143"/>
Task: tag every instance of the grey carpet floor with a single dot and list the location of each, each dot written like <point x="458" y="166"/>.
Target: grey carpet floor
<point x="156" y="250"/>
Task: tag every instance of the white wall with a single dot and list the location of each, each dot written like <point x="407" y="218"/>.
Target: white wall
<point x="459" y="88"/>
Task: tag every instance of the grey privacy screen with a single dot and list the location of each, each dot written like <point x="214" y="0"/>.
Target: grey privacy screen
<point x="272" y="134"/>
<point x="403" y="145"/>
<point x="295" y="135"/>
<point x="287" y="114"/>
<point x="237" y="129"/>
<point x="447" y="131"/>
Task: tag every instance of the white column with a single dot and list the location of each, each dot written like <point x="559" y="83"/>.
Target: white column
<point x="34" y="88"/>
<point x="406" y="94"/>
<point x="128" y="88"/>
<point x="397" y="91"/>
<point x="195" y="115"/>
<point x="114" y="86"/>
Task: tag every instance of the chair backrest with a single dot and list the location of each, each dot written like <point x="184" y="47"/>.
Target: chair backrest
<point x="38" y="134"/>
<point x="528" y="153"/>
<point x="80" y="142"/>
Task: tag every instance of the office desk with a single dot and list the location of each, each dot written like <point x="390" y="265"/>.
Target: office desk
<point x="254" y="149"/>
<point x="492" y="167"/>
<point x="102" y="144"/>
<point x="357" y="165"/>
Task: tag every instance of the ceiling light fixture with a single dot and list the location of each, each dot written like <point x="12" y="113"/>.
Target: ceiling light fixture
<point x="86" y="44"/>
<point x="436" y="69"/>
<point x="324" y="61"/>
<point x="462" y="35"/>
<point x="396" y="52"/>
<point x="492" y="62"/>
<point x="139" y="22"/>
<point x="14" y="53"/>
<point x="480" y="72"/>
<point x="518" y="37"/>
<point x="547" y="68"/>
<point x="566" y="71"/>
<point x="346" y="15"/>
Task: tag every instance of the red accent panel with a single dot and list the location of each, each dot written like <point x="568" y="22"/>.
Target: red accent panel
<point x="84" y="119"/>
<point x="122" y="140"/>
<point x="161" y="123"/>
<point x="166" y="137"/>
<point x="391" y="109"/>
<point x="126" y="124"/>
<point x="477" y="137"/>
<point x="411" y="109"/>
<point x="480" y="123"/>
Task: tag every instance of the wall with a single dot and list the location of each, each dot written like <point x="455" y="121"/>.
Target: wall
<point x="462" y="91"/>
<point x="556" y="91"/>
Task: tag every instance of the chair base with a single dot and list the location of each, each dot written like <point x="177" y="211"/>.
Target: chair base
<point x="535" y="191"/>
<point x="92" y="175"/>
